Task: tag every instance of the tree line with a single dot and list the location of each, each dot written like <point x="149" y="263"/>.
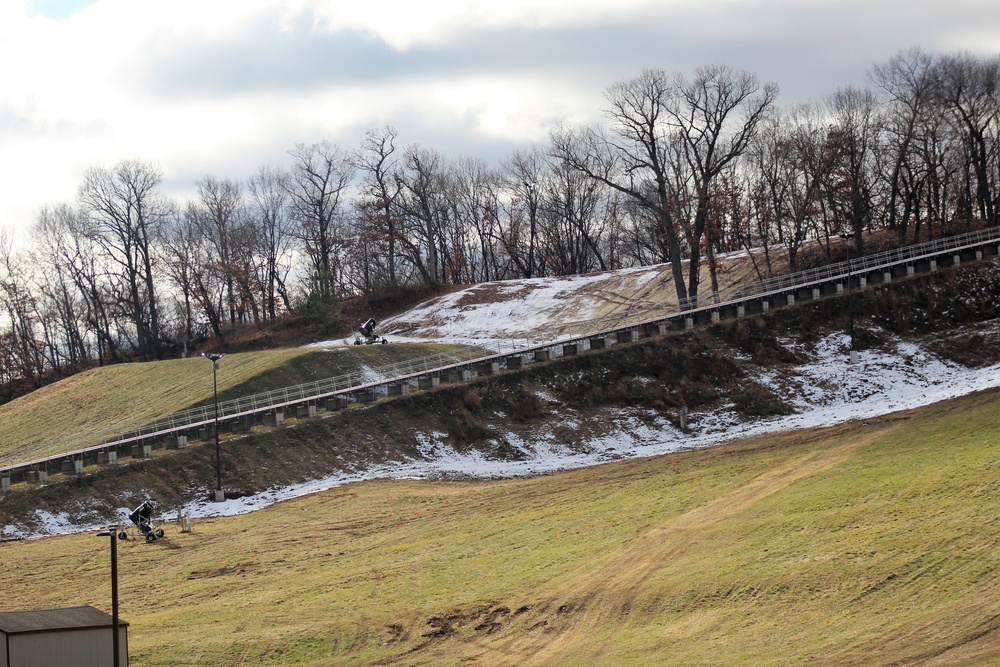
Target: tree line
<point x="683" y="167"/>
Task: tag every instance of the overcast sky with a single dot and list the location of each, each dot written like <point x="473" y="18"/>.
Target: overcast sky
<point x="223" y="86"/>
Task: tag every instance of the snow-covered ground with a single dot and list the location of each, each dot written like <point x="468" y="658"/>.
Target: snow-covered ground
<point x="535" y="309"/>
<point x="825" y="391"/>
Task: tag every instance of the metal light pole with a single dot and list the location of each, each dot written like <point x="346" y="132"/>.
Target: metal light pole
<point x="113" y="532"/>
<point x="850" y="305"/>
<point x="220" y="495"/>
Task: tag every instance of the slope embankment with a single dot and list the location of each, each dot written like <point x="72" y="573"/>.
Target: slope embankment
<point x="921" y="341"/>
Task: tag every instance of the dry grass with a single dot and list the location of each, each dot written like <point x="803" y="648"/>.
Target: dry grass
<point x="113" y="396"/>
<point x="865" y="544"/>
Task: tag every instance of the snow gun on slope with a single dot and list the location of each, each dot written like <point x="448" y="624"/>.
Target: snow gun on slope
<point x="143" y="524"/>
<point x="366" y="334"/>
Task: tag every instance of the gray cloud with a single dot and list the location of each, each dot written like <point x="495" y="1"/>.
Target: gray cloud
<point x="807" y="48"/>
<point x="262" y="59"/>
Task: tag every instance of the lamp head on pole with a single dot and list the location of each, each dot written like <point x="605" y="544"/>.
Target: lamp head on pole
<point x="214" y="356"/>
<point x="110" y="531"/>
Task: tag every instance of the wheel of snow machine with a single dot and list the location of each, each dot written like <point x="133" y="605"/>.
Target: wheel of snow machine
<point x="357" y="342"/>
<point x="384" y="341"/>
<point x="159" y="532"/>
<point x="150" y="537"/>
<point x="122" y="535"/>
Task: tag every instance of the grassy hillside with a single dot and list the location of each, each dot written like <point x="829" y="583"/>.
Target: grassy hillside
<point x="865" y="544"/>
<point x="112" y="396"/>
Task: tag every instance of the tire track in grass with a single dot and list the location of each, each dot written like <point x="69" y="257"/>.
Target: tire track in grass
<point x="612" y="587"/>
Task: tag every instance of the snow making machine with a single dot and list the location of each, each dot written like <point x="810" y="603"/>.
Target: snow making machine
<point x="366" y="333"/>
<point x="142" y="524"/>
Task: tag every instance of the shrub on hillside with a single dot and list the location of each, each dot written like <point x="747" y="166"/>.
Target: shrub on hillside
<point x="754" y="400"/>
<point x="524" y="405"/>
<point x="465" y="428"/>
<point x="754" y="337"/>
<point x="322" y="313"/>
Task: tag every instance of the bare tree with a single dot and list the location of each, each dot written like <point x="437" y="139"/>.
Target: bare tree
<point x="319" y="179"/>
<point x="789" y="162"/>
<point x="575" y="213"/>
<point x="186" y="266"/>
<point x="969" y="89"/>
<point x="672" y="137"/>
<point x="635" y="159"/>
<point x="219" y="218"/>
<point x="85" y="262"/>
<point x="942" y="159"/>
<point x="854" y="137"/>
<point x="24" y="347"/>
<point x="908" y="82"/>
<point x="525" y="172"/>
<point x="124" y="206"/>
<point x="717" y="113"/>
<point x="56" y="254"/>
<point x="476" y="202"/>
<point x="422" y="206"/>
<point x="269" y="203"/>
<point x="377" y="162"/>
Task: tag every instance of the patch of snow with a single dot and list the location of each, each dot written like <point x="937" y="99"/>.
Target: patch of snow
<point x="512" y="311"/>
<point x="55" y="524"/>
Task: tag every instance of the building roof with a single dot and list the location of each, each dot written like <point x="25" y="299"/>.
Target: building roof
<point x="47" y="620"/>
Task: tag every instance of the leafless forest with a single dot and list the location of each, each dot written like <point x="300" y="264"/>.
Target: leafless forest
<point x="684" y="166"/>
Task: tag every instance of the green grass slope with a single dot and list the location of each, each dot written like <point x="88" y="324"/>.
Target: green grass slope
<point x="864" y="544"/>
<point x="115" y="396"/>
